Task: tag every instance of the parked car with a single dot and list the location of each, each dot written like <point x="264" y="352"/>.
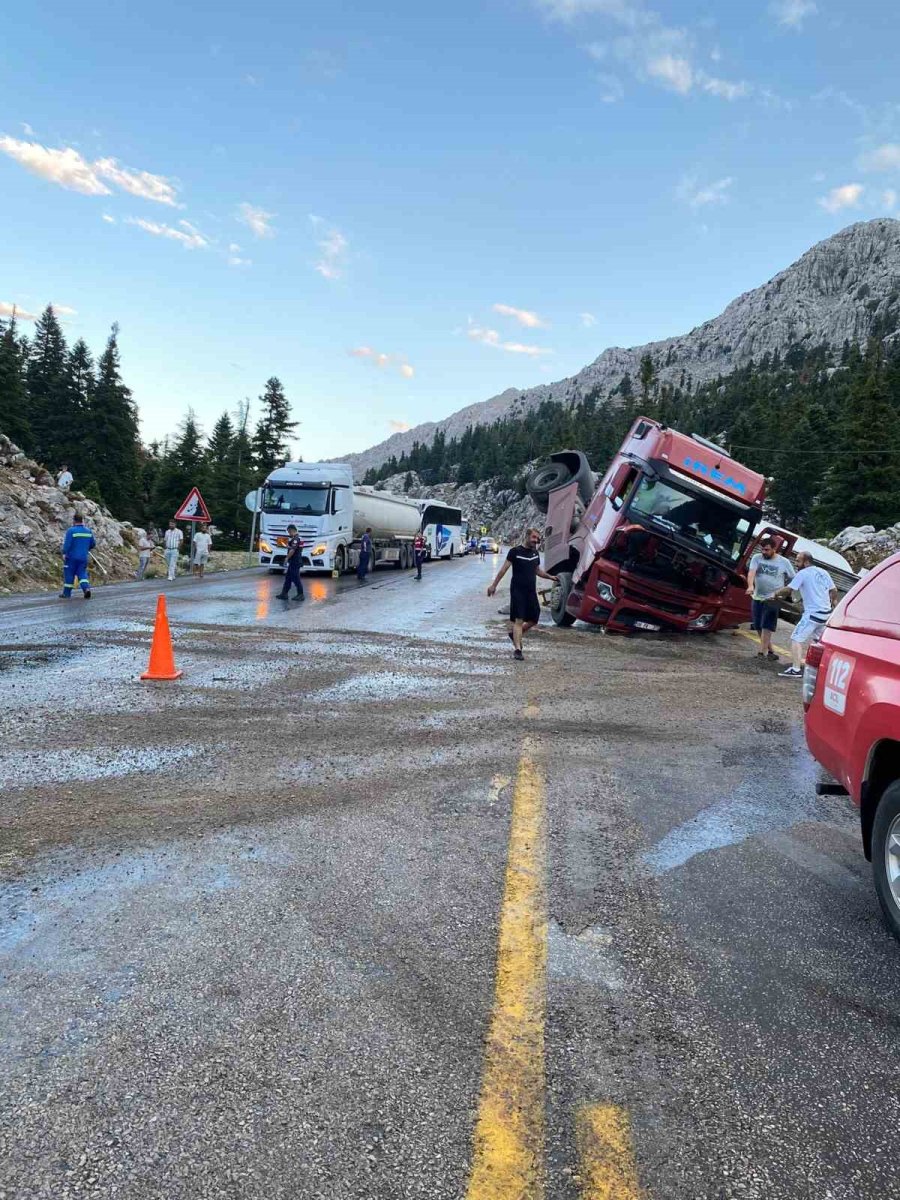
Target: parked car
<point x="491" y="545"/>
<point x="851" y="694"/>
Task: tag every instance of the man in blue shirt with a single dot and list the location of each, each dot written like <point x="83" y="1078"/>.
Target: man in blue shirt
<point x="292" y="563"/>
<point x="76" y="549"/>
<point x="365" y="551"/>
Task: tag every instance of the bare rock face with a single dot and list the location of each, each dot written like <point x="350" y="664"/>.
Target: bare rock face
<point x="864" y="547"/>
<point x="839" y="291"/>
<point x="34" y="516"/>
<point x="502" y="511"/>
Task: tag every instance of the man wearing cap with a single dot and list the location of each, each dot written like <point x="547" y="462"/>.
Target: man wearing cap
<point x="76" y="549"/>
<point x="769" y="573"/>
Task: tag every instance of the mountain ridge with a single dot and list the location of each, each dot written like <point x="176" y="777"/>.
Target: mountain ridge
<point x="837" y="291"/>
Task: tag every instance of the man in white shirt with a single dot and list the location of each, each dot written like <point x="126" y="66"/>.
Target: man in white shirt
<point x="145" y="546"/>
<point x="202" y="542"/>
<point x="64" y="479"/>
<point x="817" y="590"/>
<point x="173" y="540"/>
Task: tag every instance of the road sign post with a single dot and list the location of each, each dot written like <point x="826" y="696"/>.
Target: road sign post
<point x="193" y="510"/>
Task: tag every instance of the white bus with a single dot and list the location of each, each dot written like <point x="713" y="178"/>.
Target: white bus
<point x="444" y="530"/>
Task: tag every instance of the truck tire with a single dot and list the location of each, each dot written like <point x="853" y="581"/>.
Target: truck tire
<point x="886" y="855"/>
<point x="558" y="598"/>
<point x="340" y="560"/>
<point x="401" y="558"/>
<point x="542" y="481"/>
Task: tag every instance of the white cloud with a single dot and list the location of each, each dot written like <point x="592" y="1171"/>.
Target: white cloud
<point x="846" y="196"/>
<point x="695" y="196"/>
<point x="65" y="167"/>
<point x="613" y="88"/>
<point x="233" y="248"/>
<point x="235" y="260"/>
<point x="889" y="199"/>
<point x="588" y="320"/>
<point x="530" y="320"/>
<point x="792" y="13"/>
<point x="64" y="310"/>
<point x="882" y="158"/>
<point x="490" y="337"/>
<point x="108" y="219"/>
<point x="27" y="130"/>
<point x="399" y="426"/>
<point x="723" y="88"/>
<point x="8" y="310"/>
<point x="187" y="236"/>
<point x="333" y="249"/>
<point x="69" y="169"/>
<point x="137" y="183"/>
<point x="257" y="220"/>
<point x="379" y="359"/>
<point x="673" y="71"/>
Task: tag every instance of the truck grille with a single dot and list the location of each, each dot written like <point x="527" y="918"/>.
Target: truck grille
<point x="678" y="610"/>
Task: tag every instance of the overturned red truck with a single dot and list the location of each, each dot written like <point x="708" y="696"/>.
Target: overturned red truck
<point x="661" y="542"/>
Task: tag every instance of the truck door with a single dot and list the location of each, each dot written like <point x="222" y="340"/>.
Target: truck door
<point x="784" y="543"/>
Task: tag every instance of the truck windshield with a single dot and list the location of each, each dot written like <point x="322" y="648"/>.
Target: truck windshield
<point x="286" y="498"/>
<point x="721" y="528"/>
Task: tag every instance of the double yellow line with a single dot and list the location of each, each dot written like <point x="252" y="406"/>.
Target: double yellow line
<point x="508" y="1160"/>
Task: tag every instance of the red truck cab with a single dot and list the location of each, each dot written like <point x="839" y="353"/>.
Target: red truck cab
<point x="662" y="541"/>
<point x="851" y="693"/>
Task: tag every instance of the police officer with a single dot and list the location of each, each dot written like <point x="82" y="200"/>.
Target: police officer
<point x="76" y="549"/>
<point x="292" y="565"/>
<point x="419" y="552"/>
<point x="365" y="552"/>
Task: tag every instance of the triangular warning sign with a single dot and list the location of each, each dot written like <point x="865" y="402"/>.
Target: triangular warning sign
<point x="193" y="508"/>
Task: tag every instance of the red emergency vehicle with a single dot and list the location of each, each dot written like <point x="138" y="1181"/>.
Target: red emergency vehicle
<point x="660" y="542"/>
<point x="851" y="692"/>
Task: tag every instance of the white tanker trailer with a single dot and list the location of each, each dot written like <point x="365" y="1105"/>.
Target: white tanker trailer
<point x="331" y="516"/>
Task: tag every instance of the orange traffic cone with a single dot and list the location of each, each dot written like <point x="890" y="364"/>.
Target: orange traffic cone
<point x="162" y="658"/>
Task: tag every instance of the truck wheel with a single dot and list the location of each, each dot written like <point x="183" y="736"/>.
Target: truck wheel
<point x="340" y="560"/>
<point x="541" y="482"/>
<point x="558" y="598"/>
<point x="401" y="559"/>
<point x="886" y="855"/>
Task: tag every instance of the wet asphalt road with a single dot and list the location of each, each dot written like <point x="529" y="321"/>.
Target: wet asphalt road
<point x="249" y="921"/>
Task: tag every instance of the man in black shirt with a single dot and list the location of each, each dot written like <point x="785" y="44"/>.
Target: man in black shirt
<point x="524" y="606"/>
<point x="292" y="564"/>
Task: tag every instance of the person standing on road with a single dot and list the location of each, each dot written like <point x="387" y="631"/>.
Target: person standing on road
<point x="482" y="549"/>
<point x="768" y="574"/>
<point x="819" y="595"/>
<point x="524" y="606"/>
<point x="173" y="539"/>
<point x="292" y="563"/>
<point x="64" y="479"/>
<point x="201" y="544"/>
<point x="419" y="552"/>
<point x="365" y="552"/>
<point x="146" y="546"/>
<point x="76" y="550"/>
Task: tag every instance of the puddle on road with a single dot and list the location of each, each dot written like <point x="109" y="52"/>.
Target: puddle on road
<point x="382" y="685"/>
<point x="30" y="768"/>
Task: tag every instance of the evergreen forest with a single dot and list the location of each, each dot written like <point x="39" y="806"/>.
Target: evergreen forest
<point x="61" y="406"/>
<point x="827" y="436"/>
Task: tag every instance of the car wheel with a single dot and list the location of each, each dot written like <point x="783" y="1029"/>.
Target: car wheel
<point x="886" y="855"/>
<point x="558" y="598"/>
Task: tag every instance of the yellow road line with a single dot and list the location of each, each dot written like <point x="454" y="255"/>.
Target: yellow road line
<point x="509" y="1134"/>
<point x="608" y="1170"/>
<point x="745" y="633"/>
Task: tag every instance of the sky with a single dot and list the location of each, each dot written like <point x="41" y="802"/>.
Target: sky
<point x="400" y="209"/>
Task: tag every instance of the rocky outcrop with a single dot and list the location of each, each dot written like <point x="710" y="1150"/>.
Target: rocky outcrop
<point x="839" y="291"/>
<point x="863" y="546"/>
<point x="34" y="516"/>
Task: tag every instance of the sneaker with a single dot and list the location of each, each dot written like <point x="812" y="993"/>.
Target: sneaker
<point x="87" y="594"/>
<point x="299" y="597"/>
<point x="791" y="673"/>
<point x="518" y="655"/>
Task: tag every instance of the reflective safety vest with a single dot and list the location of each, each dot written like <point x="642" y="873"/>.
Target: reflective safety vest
<point x="78" y="543"/>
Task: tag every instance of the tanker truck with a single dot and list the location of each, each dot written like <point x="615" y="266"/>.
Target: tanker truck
<point x="331" y="515"/>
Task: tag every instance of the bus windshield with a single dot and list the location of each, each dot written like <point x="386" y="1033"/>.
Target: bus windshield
<point x="289" y="499"/>
<point x="721" y="528"/>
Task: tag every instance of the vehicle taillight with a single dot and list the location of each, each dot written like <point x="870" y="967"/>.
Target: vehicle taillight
<point x="811" y="672"/>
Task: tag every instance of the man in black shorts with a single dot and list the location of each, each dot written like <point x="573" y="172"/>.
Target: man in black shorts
<point x="524" y="606"/>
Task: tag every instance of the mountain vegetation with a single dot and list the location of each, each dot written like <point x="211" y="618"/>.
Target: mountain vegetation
<point x="827" y="436"/>
<point x="63" y="408"/>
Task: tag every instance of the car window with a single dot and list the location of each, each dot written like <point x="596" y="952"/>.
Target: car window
<point x="879" y="601"/>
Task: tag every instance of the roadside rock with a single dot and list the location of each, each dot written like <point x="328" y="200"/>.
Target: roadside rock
<point x="864" y="547"/>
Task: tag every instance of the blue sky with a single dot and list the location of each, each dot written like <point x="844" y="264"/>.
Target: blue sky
<point x="400" y="209"/>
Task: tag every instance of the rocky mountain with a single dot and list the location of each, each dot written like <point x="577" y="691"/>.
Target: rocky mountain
<point x="838" y="291"/>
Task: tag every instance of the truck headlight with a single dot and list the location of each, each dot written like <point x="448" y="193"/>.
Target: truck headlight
<point x="321" y="549"/>
<point x="702" y="622"/>
<point x="605" y="592"/>
<point x="264" y="547"/>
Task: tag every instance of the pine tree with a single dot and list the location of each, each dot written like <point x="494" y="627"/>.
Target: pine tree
<point x="14" y="401"/>
<point x="112" y="435"/>
<point x="220" y="482"/>
<point x="273" y="430"/>
<point x="75" y="419"/>
<point x="49" y="400"/>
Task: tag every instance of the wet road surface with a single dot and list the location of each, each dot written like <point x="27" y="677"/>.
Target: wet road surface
<point x="250" y="922"/>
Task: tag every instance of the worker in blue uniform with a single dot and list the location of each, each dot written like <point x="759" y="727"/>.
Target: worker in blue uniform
<point x="76" y="550"/>
<point x="365" y="552"/>
<point x="292" y="563"/>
